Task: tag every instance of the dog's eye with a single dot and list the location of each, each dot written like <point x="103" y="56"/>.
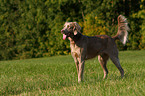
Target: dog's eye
<point x="67" y="26"/>
<point x="70" y="27"/>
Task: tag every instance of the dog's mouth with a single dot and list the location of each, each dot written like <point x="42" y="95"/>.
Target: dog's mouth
<point x="64" y="36"/>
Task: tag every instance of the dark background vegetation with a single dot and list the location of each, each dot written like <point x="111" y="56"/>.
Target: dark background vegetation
<point x="31" y="28"/>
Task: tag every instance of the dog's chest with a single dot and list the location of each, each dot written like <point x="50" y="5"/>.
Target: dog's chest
<point x="75" y="49"/>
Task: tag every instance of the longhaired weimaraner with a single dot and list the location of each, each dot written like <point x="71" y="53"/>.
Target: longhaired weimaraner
<point x="86" y="47"/>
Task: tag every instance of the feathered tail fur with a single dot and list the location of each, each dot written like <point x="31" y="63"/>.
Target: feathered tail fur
<point x="123" y="29"/>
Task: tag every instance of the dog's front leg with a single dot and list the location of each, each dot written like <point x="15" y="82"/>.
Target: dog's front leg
<point x="81" y="70"/>
<point x="81" y="60"/>
<point x="77" y="64"/>
<point x="76" y="61"/>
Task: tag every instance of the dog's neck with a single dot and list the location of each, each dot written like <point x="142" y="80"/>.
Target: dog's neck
<point x="75" y="38"/>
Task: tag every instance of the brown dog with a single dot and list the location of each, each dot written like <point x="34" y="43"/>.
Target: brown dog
<point x="85" y="47"/>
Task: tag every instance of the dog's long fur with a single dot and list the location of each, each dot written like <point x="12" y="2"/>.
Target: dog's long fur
<point x="85" y="47"/>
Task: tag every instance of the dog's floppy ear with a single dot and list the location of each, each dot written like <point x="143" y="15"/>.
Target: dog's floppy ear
<point x="77" y="28"/>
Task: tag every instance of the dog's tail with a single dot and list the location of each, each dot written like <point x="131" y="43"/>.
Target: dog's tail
<point x="123" y="29"/>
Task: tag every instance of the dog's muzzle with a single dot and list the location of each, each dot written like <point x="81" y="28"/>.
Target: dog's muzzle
<point x="64" y="35"/>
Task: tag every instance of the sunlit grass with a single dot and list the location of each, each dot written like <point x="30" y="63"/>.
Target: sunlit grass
<point x="58" y="76"/>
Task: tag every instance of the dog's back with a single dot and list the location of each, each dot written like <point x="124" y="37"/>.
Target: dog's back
<point x="98" y="44"/>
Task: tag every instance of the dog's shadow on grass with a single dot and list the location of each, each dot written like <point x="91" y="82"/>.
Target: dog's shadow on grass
<point x="133" y="75"/>
<point x="112" y="77"/>
<point x="92" y="80"/>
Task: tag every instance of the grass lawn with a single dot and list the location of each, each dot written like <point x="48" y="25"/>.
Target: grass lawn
<point x="57" y="76"/>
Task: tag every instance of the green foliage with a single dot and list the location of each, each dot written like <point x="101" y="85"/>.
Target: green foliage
<point x="31" y="28"/>
<point x="141" y="14"/>
<point x="94" y="26"/>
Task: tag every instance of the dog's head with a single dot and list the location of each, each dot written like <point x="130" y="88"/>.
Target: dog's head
<point x="70" y="29"/>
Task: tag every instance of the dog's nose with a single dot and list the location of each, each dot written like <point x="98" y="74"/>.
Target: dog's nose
<point x="62" y="31"/>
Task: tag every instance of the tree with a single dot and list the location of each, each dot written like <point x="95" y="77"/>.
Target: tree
<point x="30" y="30"/>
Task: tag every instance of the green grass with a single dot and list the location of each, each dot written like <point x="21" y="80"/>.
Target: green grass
<point x="57" y="76"/>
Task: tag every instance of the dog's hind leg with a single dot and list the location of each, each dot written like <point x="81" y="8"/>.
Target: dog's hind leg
<point x="115" y="60"/>
<point x="103" y="61"/>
